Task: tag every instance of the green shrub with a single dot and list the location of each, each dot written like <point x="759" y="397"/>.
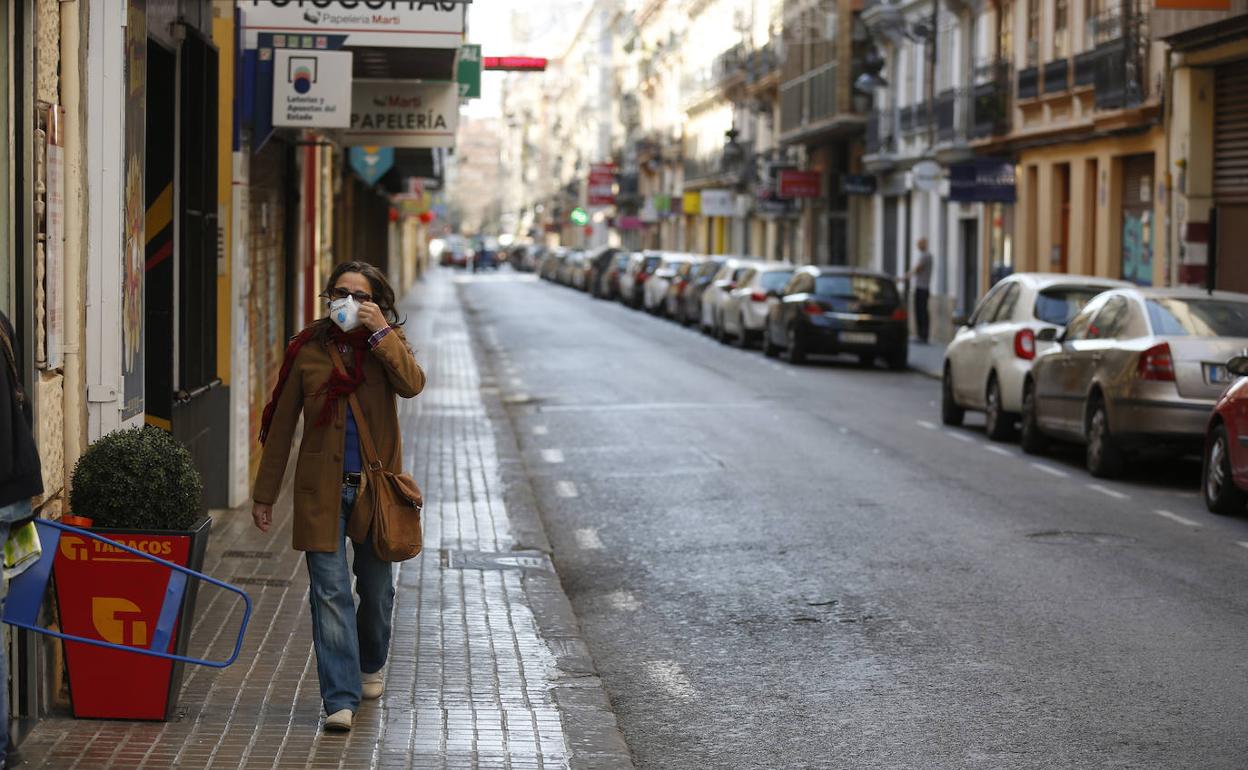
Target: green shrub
<point x="138" y="478"/>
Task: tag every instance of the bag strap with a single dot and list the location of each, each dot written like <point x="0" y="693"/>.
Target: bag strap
<point x="366" y="438"/>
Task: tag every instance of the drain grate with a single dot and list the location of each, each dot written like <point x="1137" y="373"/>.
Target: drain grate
<point x="260" y="581"/>
<point x="1066" y="536"/>
<point x="528" y="560"/>
<point x="247" y="555"/>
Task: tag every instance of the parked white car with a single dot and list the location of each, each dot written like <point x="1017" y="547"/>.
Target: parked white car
<point x="744" y="313"/>
<point x="989" y="357"/>
<point x="717" y="291"/>
<point x="655" y="296"/>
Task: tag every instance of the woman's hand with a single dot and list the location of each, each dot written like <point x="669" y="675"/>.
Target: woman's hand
<point x="262" y="515"/>
<point x="371" y="316"/>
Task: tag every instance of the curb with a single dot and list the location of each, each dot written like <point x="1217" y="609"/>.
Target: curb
<point x="593" y="734"/>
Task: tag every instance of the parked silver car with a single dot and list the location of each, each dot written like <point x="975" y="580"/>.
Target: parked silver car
<point x="743" y="314"/>
<point x="717" y="291"/>
<point x="1135" y="368"/>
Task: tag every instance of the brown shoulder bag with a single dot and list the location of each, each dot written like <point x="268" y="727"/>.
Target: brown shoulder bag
<point x="391" y="501"/>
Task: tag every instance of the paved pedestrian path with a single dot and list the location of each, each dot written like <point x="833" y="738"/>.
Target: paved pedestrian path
<point x="473" y="680"/>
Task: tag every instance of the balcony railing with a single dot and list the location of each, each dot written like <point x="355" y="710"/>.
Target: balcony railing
<point x="808" y="98"/>
<point x="1085" y="69"/>
<point x="729" y="63"/>
<point x="1029" y="83"/>
<point x="761" y="63"/>
<point x="1057" y="76"/>
<point x="880" y="139"/>
<point x="946" y="115"/>
<point x="990" y="104"/>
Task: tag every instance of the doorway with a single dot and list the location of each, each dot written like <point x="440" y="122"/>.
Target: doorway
<point x="968" y="229"/>
<point x="1059" y="261"/>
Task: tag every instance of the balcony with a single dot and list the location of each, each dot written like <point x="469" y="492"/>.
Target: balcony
<point x="990" y="104"/>
<point x="761" y="63"/>
<point x="946" y="116"/>
<point x="880" y="139"/>
<point x="729" y="65"/>
<point x="1085" y="69"/>
<point x="1119" y="62"/>
<point x="1029" y="83"/>
<point x="1057" y="76"/>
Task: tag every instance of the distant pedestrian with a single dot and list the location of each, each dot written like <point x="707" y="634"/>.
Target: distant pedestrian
<point x="364" y="327"/>
<point x="921" y="272"/>
<point x="21" y="478"/>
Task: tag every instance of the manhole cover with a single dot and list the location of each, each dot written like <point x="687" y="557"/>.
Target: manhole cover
<point x="534" y="560"/>
<point x="1061" y="536"/>
<point x="247" y="555"/>
<point x="259" y="581"/>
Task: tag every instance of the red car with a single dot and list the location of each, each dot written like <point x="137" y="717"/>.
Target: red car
<point x="1224" y="477"/>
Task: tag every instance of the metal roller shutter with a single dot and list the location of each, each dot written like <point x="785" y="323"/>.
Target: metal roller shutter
<point x="1230" y="134"/>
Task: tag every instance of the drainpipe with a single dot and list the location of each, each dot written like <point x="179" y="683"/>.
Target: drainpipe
<point x="75" y="424"/>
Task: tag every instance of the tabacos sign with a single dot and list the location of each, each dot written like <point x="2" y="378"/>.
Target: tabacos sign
<point x="380" y="23"/>
<point x="403" y="113"/>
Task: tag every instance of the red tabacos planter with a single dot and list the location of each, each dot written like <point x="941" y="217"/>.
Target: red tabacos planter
<point x="109" y="594"/>
<point x="73" y="520"/>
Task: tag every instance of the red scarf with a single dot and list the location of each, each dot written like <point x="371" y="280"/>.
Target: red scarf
<point x="339" y="385"/>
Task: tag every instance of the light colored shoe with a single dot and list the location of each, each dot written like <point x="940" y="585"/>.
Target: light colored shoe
<point x="372" y="685"/>
<point x="339" y="721"/>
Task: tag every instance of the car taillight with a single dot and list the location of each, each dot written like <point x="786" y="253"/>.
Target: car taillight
<point x="758" y="296"/>
<point x="641" y="277"/>
<point x="680" y="288"/>
<point x="1156" y="363"/>
<point x="812" y="308"/>
<point x="1025" y="344"/>
<point x="899" y="314"/>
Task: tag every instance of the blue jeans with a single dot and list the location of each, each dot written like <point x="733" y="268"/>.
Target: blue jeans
<point x="8" y="513"/>
<point x="344" y="648"/>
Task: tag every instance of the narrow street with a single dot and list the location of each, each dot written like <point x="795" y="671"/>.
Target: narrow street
<point x="787" y="567"/>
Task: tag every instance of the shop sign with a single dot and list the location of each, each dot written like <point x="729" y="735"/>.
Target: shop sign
<point x="925" y="175"/>
<point x="629" y="223"/>
<point x="649" y="211"/>
<point x="718" y="203"/>
<point x="791" y="183"/>
<point x="311" y="89"/>
<point x="117" y="597"/>
<point x="403" y="113"/>
<point x="372" y="162"/>
<point x="380" y="23"/>
<point x="858" y="184"/>
<point x="602" y="184"/>
<point x="983" y="180"/>
<point x="468" y="72"/>
<point x="691" y="202"/>
<point x="1194" y="5"/>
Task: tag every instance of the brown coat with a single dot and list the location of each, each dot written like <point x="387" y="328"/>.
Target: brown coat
<point x="389" y="370"/>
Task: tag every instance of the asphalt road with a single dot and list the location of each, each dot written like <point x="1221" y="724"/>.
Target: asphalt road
<point x="784" y="567"/>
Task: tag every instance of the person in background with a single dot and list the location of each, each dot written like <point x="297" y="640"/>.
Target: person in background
<point x="21" y="478"/>
<point x="922" y="275"/>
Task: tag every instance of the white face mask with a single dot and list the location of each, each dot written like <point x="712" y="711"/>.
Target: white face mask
<point x="346" y="313"/>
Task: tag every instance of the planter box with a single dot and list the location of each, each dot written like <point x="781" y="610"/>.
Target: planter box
<point x="117" y="597"/>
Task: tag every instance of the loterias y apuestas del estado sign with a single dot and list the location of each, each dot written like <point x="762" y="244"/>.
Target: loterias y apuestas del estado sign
<point x="403" y="113"/>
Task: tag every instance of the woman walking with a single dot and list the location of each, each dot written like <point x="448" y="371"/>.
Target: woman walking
<point x="351" y="643"/>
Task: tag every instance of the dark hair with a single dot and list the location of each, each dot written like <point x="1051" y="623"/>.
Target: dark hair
<point x="383" y="293"/>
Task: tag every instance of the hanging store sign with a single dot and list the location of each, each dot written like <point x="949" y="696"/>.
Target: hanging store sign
<point x="858" y="184"/>
<point x="649" y="212"/>
<point x="372" y="162"/>
<point x="791" y="183"/>
<point x="718" y="203"/>
<point x="380" y="23"/>
<point x="468" y="72"/>
<point x="602" y="184"/>
<point x="311" y="89"/>
<point x="925" y="175"/>
<point x="691" y="202"/>
<point x="982" y="180"/>
<point x="403" y="113"/>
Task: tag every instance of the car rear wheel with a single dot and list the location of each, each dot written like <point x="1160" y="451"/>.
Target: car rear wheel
<point x="998" y="423"/>
<point x="950" y="412"/>
<point x="1032" y="440"/>
<point x="769" y="348"/>
<point x="1218" y="487"/>
<point x="1104" y="456"/>
<point x="866" y="359"/>
<point x="795" y="353"/>
<point x="721" y="333"/>
<point x="743" y="334"/>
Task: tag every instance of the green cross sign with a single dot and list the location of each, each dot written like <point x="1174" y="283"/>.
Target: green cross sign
<point x="468" y="72"/>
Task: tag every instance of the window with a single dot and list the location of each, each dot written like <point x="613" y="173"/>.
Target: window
<point x="1061" y="23"/>
<point x="1009" y="302"/>
<point x="864" y="288"/>
<point x="774" y="280"/>
<point x="1197" y="317"/>
<point x="1033" y="32"/>
<point x="1006" y="51"/>
<point x="1058" y="304"/>
<point x="1111" y="321"/>
<point x="802" y="283"/>
<point x="1078" y="328"/>
<point x="987" y="307"/>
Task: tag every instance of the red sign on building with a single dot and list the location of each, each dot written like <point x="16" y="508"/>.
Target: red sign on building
<point x="799" y="184"/>
<point x="601" y="184"/>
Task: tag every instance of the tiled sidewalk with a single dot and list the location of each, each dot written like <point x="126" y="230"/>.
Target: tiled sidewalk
<point x="471" y="682"/>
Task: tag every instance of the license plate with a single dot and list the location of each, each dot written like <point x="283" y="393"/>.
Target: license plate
<point x="858" y="338"/>
<point x="1216" y="374"/>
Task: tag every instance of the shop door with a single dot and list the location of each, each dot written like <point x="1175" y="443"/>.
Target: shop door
<point x="1230" y="173"/>
<point x="1061" y="248"/>
<point x="970" y="263"/>
<point x="890" y="235"/>
<point x="1137" y="219"/>
<point x="159" y="159"/>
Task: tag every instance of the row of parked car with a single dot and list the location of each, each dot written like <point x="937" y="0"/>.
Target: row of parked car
<point x="1125" y="371"/>
<point x="788" y="310"/>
